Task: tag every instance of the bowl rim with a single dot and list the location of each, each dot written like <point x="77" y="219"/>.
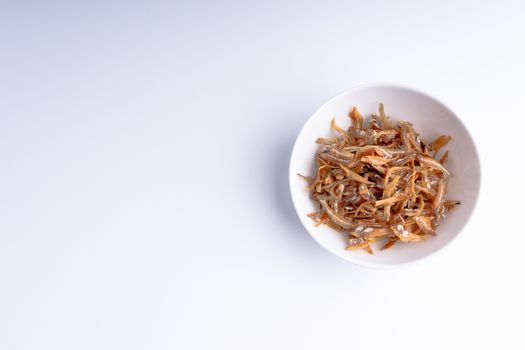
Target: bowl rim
<point x="357" y="262"/>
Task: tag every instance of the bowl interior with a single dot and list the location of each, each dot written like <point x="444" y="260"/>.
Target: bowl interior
<point x="431" y="119"/>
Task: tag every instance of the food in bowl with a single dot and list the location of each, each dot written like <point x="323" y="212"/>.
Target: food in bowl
<point x="378" y="181"/>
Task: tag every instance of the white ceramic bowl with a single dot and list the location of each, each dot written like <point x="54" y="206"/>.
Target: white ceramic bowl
<point x="431" y="118"/>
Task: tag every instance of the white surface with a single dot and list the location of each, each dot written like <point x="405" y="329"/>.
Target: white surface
<point x="431" y="118"/>
<point x="144" y="154"/>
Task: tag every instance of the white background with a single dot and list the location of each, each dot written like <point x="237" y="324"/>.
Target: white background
<point x="144" y="151"/>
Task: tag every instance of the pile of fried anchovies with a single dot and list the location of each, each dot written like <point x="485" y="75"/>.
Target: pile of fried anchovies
<point x="379" y="181"/>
